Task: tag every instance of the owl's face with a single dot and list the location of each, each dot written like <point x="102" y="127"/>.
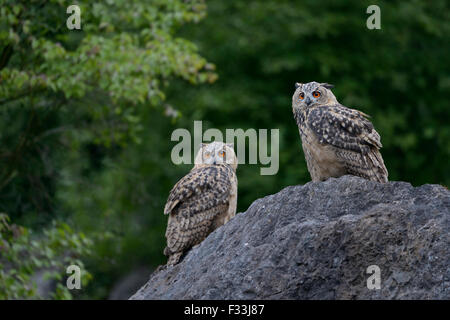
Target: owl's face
<point x="216" y="153"/>
<point x="311" y="94"/>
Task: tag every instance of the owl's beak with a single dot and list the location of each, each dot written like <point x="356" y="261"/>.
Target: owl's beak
<point x="308" y="101"/>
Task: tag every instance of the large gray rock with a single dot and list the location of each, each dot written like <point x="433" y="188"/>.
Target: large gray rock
<point x="316" y="241"/>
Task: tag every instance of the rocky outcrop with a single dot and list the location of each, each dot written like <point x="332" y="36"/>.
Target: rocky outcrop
<point x="317" y="241"/>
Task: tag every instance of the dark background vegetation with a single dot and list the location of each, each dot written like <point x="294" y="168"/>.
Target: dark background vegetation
<point x="86" y="115"/>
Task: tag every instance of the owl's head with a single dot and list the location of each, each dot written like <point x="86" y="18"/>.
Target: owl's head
<point x="216" y="153"/>
<point x="311" y="94"/>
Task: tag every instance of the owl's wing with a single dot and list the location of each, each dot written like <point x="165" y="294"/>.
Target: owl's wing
<point x="355" y="138"/>
<point x="201" y="189"/>
<point x="344" y="128"/>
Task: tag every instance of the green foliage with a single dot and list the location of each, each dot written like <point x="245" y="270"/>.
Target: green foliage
<point x="83" y="87"/>
<point x="127" y="58"/>
<point x="23" y="256"/>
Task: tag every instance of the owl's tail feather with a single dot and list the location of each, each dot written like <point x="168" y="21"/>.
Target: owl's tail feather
<point x="378" y="169"/>
<point x="369" y="166"/>
<point x="174" y="258"/>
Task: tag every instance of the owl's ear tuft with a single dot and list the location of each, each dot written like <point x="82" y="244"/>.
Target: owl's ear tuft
<point x="297" y="84"/>
<point x="202" y="145"/>
<point x="230" y="145"/>
<point x="327" y="85"/>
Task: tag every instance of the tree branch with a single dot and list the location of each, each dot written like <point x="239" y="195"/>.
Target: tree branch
<point x="6" y="55"/>
<point x="22" y="94"/>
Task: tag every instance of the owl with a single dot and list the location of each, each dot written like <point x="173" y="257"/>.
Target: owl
<point x="336" y="140"/>
<point x="202" y="200"/>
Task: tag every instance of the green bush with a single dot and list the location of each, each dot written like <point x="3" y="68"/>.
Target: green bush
<point x="23" y="254"/>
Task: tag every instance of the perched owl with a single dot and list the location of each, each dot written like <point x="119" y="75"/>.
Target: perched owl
<point x="201" y="201"/>
<point x="336" y="140"/>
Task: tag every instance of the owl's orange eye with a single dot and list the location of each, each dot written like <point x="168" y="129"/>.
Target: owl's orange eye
<point x="316" y="94"/>
<point x="301" y="96"/>
<point x="207" y="154"/>
<point x="222" y="154"/>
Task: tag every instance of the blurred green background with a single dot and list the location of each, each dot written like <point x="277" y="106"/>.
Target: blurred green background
<point x="86" y="115"/>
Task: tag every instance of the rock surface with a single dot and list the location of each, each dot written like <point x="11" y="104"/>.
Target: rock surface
<point x="316" y="241"/>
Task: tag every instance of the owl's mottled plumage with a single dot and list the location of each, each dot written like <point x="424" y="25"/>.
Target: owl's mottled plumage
<point x="336" y="140"/>
<point x="202" y="200"/>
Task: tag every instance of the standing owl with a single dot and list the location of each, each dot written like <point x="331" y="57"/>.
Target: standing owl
<point x="336" y="140"/>
<point x="201" y="201"/>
